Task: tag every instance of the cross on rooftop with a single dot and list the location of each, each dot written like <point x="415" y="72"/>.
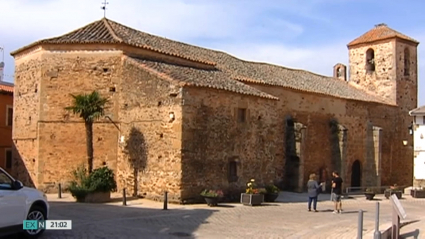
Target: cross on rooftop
<point x="104" y="7"/>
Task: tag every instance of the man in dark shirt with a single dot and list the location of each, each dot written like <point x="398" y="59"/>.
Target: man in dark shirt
<point x="337" y="191"/>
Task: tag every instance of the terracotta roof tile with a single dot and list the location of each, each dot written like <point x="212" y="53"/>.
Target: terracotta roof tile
<point x="380" y="32"/>
<point x="107" y="31"/>
<point x="189" y="76"/>
<point x="6" y="87"/>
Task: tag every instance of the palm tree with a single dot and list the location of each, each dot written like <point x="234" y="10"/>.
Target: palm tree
<point x="89" y="107"/>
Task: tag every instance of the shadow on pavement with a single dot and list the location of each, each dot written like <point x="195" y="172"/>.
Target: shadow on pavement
<point x="120" y="199"/>
<point x="116" y="221"/>
<point x="414" y="234"/>
<point x="348" y="212"/>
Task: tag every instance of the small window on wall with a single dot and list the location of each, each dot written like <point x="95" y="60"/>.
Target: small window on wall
<point x="233" y="171"/>
<point x="9" y="115"/>
<point x="241" y="115"/>
<point x="8" y="158"/>
<point x="406" y="62"/>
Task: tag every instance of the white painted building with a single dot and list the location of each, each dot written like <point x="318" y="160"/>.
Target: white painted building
<point x="418" y="130"/>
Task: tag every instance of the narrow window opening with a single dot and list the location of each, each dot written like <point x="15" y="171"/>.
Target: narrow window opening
<point x="8" y="158"/>
<point x="406" y="62"/>
<point x="241" y="115"/>
<point x="370" y="60"/>
<point x="112" y="89"/>
<point x="159" y="103"/>
<point x="233" y="171"/>
<point x="9" y="114"/>
<point x="105" y="70"/>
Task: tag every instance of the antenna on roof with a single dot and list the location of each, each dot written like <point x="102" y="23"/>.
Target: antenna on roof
<point x="104" y="3"/>
<point x="2" y="64"/>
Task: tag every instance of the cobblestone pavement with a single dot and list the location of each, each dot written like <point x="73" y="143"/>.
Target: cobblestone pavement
<point x="285" y="219"/>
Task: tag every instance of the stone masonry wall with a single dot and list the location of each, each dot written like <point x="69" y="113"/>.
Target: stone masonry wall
<point x="213" y="138"/>
<point x="315" y="111"/>
<point x="26" y="105"/>
<point x="149" y="160"/>
<point x="382" y="80"/>
<point x="60" y="142"/>
<point x="407" y="85"/>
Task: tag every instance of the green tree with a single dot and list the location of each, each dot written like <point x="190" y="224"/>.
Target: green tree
<point x="89" y="107"/>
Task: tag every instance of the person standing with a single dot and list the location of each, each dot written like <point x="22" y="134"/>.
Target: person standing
<point x="313" y="191"/>
<point x="337" y="191"/>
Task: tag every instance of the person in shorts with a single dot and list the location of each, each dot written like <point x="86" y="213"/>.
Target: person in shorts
<point x="337" y="192"/>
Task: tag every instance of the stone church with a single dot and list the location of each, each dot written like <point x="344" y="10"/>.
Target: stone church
<point x="183" y="118"/>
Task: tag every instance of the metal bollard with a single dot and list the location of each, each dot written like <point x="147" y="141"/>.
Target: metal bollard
<point x="165" y="200"/>
<point x="360" y="225"/>
<point x="377" y="234"/>
<point x="124" y="198"/>
<point x="59" y="191"/>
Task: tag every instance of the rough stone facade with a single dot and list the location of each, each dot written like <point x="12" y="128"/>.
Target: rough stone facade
<point x="150" y="156"/>
<point x="172" y="127"/>
<point x="216" y="135"/>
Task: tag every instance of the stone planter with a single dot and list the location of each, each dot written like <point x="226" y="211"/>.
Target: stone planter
<point x="252" y="199"/>
<point x="270" y="197"/>
<point x="369" y="196"/>
<point x="211" y="201"/>
<point x="96" y="197"/>
<point x="417" y="193"/>
<point x="390" y="192"/>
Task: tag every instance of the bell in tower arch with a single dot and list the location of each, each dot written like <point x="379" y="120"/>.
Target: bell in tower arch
<point x="340" y="72"/>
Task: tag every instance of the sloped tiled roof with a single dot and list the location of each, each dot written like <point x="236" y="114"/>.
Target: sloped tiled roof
<point x="6" y="87"/>
<point x="417" y="111"/>
<point x="215" y="79"/>
<point x="380" y="32"/>
<point x="107" y="31"/>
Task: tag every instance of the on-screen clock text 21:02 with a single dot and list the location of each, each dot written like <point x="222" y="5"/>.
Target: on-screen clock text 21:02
<point x="48" y="224"/>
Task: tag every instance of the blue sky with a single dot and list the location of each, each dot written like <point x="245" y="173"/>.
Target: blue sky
<point x="307" y="34"/>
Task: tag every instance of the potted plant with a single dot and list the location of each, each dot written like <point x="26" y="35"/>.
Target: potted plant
<point x="93" y="187"/>
<point x="253" y="196"/>
<point x="211" y="196"/>
<point x="418" y="192"/>
<point x="393" y="190"/>
<point x="272" y="192"/>
<point x="369" y="193"/>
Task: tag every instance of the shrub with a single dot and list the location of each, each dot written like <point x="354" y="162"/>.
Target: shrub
<point x="212" y="193"/>
<point x="100" y="180"/>
<point x="272" y="189"/>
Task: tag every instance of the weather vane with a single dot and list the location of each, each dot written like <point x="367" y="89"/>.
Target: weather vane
<point x="104" y="7"/>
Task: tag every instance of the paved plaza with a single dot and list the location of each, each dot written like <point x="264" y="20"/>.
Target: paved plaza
<point x="287" y="218"/>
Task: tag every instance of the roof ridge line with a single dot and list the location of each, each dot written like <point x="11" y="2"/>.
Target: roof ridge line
<point x="111" y="30"/>
<point x="155" y="72"/>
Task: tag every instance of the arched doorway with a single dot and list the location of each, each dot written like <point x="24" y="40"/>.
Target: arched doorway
<point x="356" y="174"/>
